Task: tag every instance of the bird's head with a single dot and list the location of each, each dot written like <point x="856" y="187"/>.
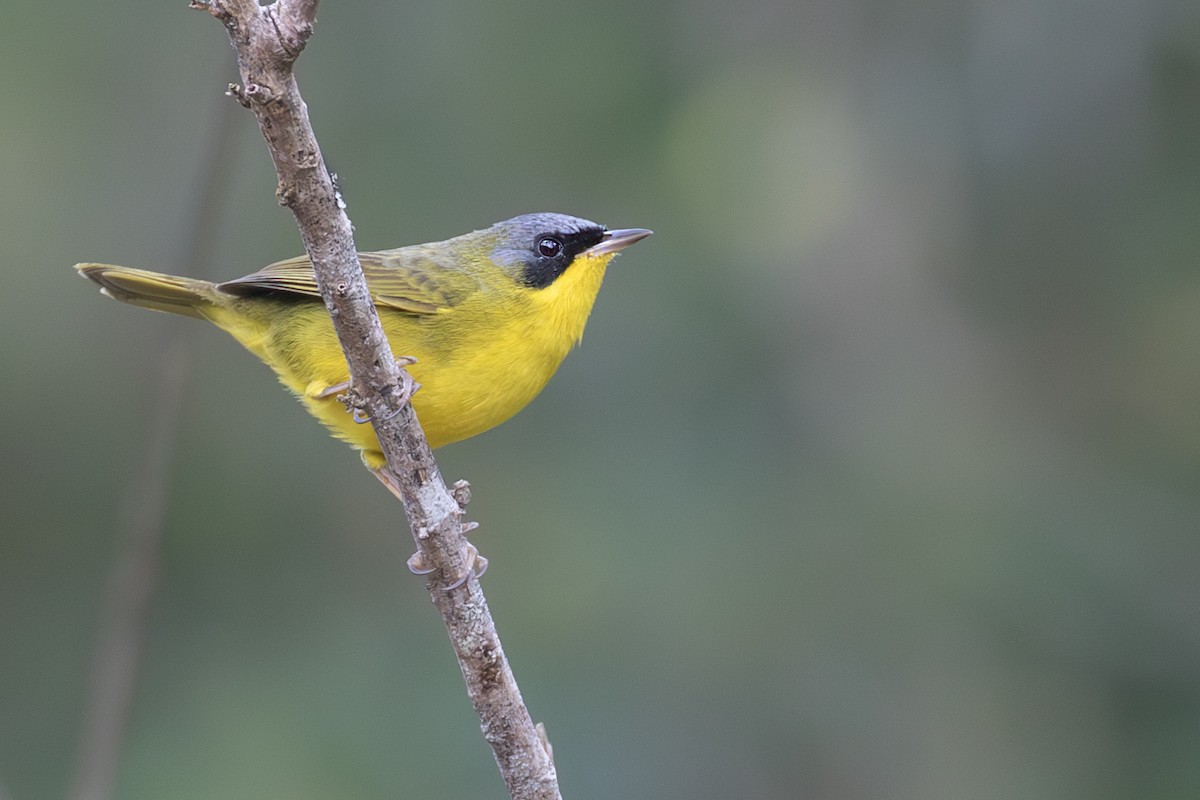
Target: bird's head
<point x="537" y="249"/>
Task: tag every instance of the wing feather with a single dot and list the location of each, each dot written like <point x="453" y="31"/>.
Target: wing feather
<point x="410" y="279"/>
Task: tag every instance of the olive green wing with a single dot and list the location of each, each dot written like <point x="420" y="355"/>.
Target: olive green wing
<point x="410" y="280"/>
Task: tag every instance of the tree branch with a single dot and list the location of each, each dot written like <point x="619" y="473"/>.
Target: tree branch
<point x="267" y="40"/>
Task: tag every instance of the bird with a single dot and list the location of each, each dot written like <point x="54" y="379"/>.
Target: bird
<point x="483" y="320"/>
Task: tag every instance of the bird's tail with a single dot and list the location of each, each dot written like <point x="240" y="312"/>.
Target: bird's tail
<point x="172" y="293"/>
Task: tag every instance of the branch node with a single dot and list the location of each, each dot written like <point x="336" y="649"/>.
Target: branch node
<point x="295" y="30"/>
<point x="307" y="161"/>
<point x="337" y="191"/>
<point x="258" y="93"/>
<point x="467" y="527"/>
<point x="286" y="195"/>
<point x="217" y="10"/>
<point x="236" y="91"/>
<point x="461" y="492"/>
<point x="545" y="740"/>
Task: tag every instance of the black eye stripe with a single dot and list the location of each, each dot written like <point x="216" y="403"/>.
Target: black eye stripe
<point x="551" y="253"/>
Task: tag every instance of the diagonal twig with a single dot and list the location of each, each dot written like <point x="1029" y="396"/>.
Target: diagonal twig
<point x="267" y="40"/>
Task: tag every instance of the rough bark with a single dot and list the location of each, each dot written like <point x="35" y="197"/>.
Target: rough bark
<point x="267" y="40"/>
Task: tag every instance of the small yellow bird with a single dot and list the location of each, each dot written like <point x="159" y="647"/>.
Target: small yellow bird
<point x="489" y="316"/>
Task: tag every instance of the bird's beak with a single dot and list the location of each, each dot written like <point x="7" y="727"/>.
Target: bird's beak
<point x="616" y="241"/>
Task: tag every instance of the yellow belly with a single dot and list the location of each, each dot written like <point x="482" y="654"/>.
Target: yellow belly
<point x="476" y="367"/>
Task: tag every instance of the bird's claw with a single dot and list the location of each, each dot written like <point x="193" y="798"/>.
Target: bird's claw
<point x="418" y="566"/>
<point x="476" y="565"/>
<point x="408" y="387"/>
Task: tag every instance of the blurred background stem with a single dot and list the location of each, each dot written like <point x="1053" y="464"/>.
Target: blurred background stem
<point x="133" y="581"/>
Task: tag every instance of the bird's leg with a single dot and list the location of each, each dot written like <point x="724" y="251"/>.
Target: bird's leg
<point x="321" y="391"/>
<point x="408" y="387"/>
<point x="476" y="564"/>
<point x="388" y="479"/>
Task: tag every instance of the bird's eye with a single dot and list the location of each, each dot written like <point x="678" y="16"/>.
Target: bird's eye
<point x="549" y="247"/>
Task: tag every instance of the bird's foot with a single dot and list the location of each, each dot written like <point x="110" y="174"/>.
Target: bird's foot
<point x="408" y="387"/>
<point x="476" y="565"/>
<point x="344" y="390"/>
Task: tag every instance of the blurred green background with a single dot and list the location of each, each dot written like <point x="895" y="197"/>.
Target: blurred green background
<point x="876" y="475"/>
